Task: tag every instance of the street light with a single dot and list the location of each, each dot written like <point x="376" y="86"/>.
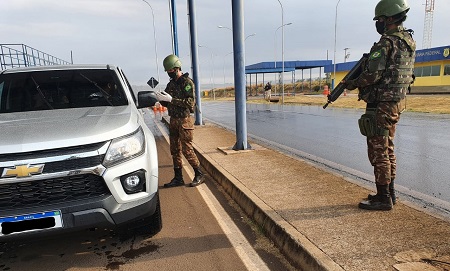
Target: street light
<point x="334" y="57"/>
<point x="275" y="60"/>
<point x="156" y="47"/>
<point x="282" y="50"/>
<point x="251" y="35"/>
<point x="224" y="67"/>
<point x="212" y="70"/>
<point x="220" y="26"/>
<point x="345" y="54"/>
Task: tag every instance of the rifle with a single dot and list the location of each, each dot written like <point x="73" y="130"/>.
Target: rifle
<point x="352" y="74"/>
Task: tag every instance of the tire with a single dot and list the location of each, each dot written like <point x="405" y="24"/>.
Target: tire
<point x="151" y="225"/>
<point x="155" y="220"/>
<point x="145" y="227"/>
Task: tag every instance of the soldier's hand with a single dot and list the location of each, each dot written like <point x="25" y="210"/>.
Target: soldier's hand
<point x="163" y="96"/>
<point x="349" y="84"/>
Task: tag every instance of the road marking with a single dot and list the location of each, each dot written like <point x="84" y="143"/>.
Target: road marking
<point x="243" y="248"/>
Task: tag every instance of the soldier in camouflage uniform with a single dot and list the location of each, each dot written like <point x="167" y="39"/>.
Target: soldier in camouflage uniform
<point x="179" y="99"/>
<point x="386" y="77"/>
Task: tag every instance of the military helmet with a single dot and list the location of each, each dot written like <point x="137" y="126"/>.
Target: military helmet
<point x="170" y="62"/>
<point x="389" y="8"/>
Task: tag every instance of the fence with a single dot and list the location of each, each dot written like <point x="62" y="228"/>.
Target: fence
<point x="21" y="55"/>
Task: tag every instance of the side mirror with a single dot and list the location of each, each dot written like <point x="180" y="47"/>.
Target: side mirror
<point x="146" y="99"/>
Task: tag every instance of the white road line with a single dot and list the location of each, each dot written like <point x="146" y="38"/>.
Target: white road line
<point x="243" y="248"/>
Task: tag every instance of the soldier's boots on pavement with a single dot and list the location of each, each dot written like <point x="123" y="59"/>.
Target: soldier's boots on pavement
<point x="382" y="201"/>
<point x="391" y="192"/>
<point x="198" y="178"/>
<point x="177" y="180"/>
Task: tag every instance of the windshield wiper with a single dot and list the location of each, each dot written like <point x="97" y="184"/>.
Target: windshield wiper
<point x="38" y="88"/>
<point x="105" y="94"/>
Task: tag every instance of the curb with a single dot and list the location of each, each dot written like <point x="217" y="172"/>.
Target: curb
<point x="296" y="247"/>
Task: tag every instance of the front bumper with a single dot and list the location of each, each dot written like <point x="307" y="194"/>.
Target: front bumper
<point x="101" y="212"/>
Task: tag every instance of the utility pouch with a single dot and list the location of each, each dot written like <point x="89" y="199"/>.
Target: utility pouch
<point x="367" y="123"/>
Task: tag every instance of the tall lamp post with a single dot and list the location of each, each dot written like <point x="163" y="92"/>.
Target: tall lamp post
<point x="156" y="47"/>
<point x="275" y="54"/>
<point x="335" y="38"/>
<point x="251" y="35"/>
<point x="225" y="27"/>
<point x="212" y="70"/>
<point x="221" y="26"/>
<point x="224" y="67"/>
<point x="345" y="54"/>
<point x="282" y="51"/>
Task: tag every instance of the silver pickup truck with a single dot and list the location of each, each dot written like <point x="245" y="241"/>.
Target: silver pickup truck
<point x="74" y="152"/>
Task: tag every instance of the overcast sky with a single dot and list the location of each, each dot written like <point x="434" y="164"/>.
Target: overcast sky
<point x="120" y="32"/>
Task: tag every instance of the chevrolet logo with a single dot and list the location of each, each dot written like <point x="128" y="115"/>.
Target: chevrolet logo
<point x="22" y="171"/>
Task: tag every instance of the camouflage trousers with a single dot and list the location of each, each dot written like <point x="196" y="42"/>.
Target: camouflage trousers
<point x="381" y="147"/>
<point x="181" y="132"/>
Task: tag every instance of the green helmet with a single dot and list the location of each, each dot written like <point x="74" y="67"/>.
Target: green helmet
<point x="389" y="8"/>
<point x="170" y="62"/>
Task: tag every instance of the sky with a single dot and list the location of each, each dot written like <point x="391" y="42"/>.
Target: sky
<point x="121" y="32"/>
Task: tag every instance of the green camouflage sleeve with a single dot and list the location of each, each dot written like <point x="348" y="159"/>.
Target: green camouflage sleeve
<point x="375" y="65"/>
<point x="187" y="99"/>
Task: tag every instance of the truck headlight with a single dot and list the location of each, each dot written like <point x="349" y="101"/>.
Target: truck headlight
<point x="125" y="148"/>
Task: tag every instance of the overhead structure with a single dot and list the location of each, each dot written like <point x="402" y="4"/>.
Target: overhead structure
<point x="21" y="55"/>
<point x="428" y="24"/>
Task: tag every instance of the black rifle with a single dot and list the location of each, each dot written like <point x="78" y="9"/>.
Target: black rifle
<point x="352" y="74"/>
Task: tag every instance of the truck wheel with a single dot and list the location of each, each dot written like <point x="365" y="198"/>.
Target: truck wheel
<point x="146" y="227"/>
<point x="151" y="225"/>
<point x="155" y="221"/>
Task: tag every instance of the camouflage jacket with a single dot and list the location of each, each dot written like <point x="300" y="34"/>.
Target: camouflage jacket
<point x="388" y="72"/>
<point x="182" y="92"/>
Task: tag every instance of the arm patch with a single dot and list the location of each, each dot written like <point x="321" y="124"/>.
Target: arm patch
<point x="375" y="55"/>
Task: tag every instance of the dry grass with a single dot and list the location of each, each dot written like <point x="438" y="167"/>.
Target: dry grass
<point x="436" y="104"/>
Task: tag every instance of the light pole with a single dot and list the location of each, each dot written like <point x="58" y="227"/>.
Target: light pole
<point x="251" y="35"/>
<point x="220" y="26"/>
<point x="224" y="84"/>
<point x="345" y="54"/>
<point x="156" y="47"/>
<point x="224" y="67"/>
<point x="225" y="27"/>
<point x="282" y="51"/>
<point x="212" y="71"/>
<point x="334" y="57"/>
<point x="275" y="53"/>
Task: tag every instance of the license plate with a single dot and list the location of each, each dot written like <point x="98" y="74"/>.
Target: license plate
<point x="30" y="222"/>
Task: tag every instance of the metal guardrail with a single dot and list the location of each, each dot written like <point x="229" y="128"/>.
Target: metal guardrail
<point x="21" y="55"/>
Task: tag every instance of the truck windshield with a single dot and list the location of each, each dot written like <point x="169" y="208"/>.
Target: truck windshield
<point x="48" y="90"/>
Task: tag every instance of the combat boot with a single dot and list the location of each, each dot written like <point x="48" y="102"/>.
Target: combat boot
<point x="177" y="180"/>
<point x="198" y="178"/>
<point x="382" y="201"/>
<point x="391" y="192"/>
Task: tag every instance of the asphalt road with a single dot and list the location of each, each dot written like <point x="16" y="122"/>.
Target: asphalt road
<point x="331" y="137"/>
<point x="202" y="229"/>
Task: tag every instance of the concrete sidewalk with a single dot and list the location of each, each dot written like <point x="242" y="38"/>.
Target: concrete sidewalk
<point x="312" y="215"/>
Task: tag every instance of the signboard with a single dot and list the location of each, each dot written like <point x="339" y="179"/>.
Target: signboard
<point x="152" y="82"/>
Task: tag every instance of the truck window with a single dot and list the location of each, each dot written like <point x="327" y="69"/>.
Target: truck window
<point x="48" y="90"/>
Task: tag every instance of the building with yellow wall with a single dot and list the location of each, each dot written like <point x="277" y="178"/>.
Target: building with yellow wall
<point x="431" y="68"/>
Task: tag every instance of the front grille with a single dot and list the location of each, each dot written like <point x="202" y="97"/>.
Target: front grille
<point x="71" y="164"/>
<point x="66" y="165"/>
<point x="52" y="191"/>
<point x="50" y="153"/>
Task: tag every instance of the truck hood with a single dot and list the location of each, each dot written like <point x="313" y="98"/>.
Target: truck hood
<point x="50" y="129"/>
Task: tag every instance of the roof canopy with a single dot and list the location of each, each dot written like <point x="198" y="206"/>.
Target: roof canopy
<point x="276" y="67"/>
